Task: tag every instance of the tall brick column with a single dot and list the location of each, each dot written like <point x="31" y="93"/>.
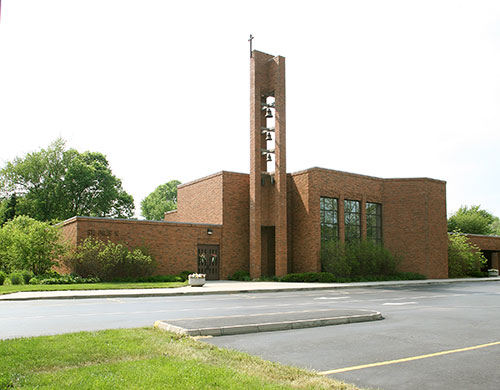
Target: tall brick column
<point x="267" y="79"/>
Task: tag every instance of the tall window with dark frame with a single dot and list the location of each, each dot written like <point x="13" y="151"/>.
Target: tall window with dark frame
<point x="374" y="222"/>
<point x="352" y="220"/>
<point x="329" y="218"/>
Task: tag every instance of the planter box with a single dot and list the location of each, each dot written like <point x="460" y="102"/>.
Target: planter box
<point x="492" y="272"/>
<point x="196" y="282"/>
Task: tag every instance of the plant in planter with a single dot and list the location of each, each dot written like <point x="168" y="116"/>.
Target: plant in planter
<point x="493" y="272"/>
<point x="196" y="280"/>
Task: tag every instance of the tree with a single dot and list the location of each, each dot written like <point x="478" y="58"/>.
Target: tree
<point x="8" y="209"/>
<point x="57" y="183"/>
<point x="464" y="258"/>
<point x="495" y="226"/>
<point x="161" y="200"/>
<point x="471" y="220"/>
<point x="28" y="244"/>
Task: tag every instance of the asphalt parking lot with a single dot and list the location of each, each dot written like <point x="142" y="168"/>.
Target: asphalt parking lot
<point x="443" y="335"/>
<point x="432" y="337"/>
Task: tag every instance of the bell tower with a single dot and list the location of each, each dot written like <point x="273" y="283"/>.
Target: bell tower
<point x="268" y="187"/>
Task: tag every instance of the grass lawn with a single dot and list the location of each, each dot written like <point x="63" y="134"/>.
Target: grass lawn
<point x="85" y="286"/>
<point x="144" y="358"/>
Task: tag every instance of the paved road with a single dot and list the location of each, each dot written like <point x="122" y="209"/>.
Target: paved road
<point x="42" y="317"/>
<point x="418" y="321"/>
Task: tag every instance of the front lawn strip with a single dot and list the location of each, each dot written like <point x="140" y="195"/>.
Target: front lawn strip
<point x="142" y="358"/>
<point x="86" y="286"/>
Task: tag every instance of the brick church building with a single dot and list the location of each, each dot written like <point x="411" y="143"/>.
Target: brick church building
<point x="271" y="222"/>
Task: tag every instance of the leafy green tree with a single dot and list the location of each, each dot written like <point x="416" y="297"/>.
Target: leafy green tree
<point x="28" y="244"/>
<point x="8" y="209"/>
<point x="161" y="200"/>
<point x="471" y="220"/>
<point x="495" y="226"/>
<point x="464" y="258"/>
<point x="91" y="189"/>
<point x="57" y="183"/>
<point x="3" y="210"/>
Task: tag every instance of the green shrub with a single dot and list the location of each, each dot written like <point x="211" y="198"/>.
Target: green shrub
<point x="62" y="279"/>
<point x="464" y="258"/>
<point x="334" y="259"/>
<point x="69" y="279"/>
<point x="310" y="277"/>
<point x="409" y="276"/>
<point x="108" y="261"/>
<point x="151" y="279"/>
<point x="27" y="275"/>
<point x="326" y="277"/>
<point x="240" y="275"/>
<point x="27" y="244"/>
<point x="3" y="276"/>
<point x="16" y="278"/>
<point x="5" y="256"/>
<point x="360" y="259"/>
<point x="185" y="275"/>
<point x="271" y="278"/>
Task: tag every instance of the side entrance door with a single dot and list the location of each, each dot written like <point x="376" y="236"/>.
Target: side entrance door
<point x="208" y="261"/>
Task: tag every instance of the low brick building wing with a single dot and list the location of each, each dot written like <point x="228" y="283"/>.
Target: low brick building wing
<point x="175" y="246"/>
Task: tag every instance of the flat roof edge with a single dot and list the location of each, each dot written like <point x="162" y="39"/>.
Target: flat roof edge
<point x="220" y="173"/>
<point x="477" y="235"/>
<point x="126" y="220"/>
<point x="304" y="171"/>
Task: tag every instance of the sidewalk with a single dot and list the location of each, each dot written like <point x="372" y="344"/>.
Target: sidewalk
<point x="224" y="287"/>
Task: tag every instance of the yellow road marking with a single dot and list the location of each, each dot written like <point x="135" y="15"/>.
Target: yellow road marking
<point x="409" y="359"/>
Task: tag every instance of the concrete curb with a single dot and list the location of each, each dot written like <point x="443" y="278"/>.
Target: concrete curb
<point x="269" y="326"/>
<point x="87" y="294"/>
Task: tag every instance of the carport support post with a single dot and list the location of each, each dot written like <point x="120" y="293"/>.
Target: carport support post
<point x="494" y="260"/>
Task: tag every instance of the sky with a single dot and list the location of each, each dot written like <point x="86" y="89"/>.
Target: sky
<point x="381" y="88"/>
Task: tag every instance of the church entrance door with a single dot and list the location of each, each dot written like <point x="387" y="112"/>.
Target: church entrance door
<point x="208" y="261"/>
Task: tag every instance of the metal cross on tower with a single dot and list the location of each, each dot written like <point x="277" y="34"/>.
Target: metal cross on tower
<point x="249" y="40"/>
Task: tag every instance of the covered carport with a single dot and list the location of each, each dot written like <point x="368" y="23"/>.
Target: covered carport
<point x="489" y="246"/>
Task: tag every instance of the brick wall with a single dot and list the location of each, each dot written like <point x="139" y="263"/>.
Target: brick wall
<point x="414" y="224"/>
<point x="340" y="185"/>
<point x="174" y="245"/>
<point x="171" y="216"/>
<point x="235" y="236"/>
<point x="200" y="201"/>
<point x="221" y="198"/>
<point x="69" y="231"/>
<point x="413" y="211"/>
<point x="304" y="255"/>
